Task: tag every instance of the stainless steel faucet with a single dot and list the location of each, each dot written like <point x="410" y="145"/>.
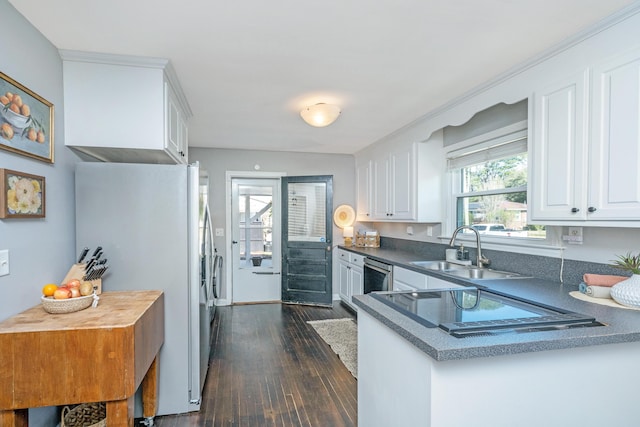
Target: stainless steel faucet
<point x="481" y="260"/>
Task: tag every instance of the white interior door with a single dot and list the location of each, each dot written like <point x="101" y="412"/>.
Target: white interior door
<point x="255" y="223"/>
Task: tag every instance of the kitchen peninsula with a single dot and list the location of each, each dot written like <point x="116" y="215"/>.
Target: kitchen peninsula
<point x="411" y="374"/>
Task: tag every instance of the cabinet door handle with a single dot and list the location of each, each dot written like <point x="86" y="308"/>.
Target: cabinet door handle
<point x="575" y="210"/>
<point x="592" y="209"/>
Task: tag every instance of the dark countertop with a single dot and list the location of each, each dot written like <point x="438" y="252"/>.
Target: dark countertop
<point x="622" y="325"/>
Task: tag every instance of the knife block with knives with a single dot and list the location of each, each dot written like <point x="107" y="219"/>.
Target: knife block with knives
<point x="90" y="271"/>
<point x="77" y="271"/>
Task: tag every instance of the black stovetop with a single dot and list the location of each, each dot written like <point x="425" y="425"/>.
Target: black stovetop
<point x="470" y="311"/>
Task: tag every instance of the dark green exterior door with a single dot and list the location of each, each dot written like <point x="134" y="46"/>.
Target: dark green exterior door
<point x="307" y="203"/>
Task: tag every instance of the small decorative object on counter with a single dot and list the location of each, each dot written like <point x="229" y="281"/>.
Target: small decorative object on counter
<point x="347" y="233"/>
<point x="368" y="239"/>
<point x="70" y="305"/>
<point x="627" y="292"/>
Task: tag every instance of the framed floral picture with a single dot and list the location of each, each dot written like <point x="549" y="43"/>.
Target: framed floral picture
<point x="26" y="121"/>
<point x="22" y="195"/>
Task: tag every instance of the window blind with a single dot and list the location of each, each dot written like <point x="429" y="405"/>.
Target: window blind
<point x="505" y="146"/>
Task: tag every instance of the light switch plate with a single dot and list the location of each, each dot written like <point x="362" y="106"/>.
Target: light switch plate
<point x="4" y="262"/>
<point x="219" y="232"/>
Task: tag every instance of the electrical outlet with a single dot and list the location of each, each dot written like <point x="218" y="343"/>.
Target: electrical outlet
<point x="575" y="231"/>
<point x="4" y="262"/>
<point x="219" y="232"/>
<point x="574" y="236"/>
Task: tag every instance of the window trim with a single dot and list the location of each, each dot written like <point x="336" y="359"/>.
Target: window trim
<point x="494" y="139"/>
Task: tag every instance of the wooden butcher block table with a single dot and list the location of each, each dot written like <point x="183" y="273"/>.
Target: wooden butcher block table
<point x="98" y="354"/>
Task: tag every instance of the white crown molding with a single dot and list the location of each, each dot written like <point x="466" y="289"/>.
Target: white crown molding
<point x="108" y="58"/>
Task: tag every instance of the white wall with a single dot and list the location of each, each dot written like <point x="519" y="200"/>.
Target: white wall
<point x="41" y="250"/>
<point x="217" y="161"/>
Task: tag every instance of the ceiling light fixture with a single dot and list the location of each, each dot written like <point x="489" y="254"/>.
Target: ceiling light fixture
<point x="320" y="115"/>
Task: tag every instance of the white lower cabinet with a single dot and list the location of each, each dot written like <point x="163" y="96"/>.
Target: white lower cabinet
<point x="408" y="280"/>
<point x="400" y="385"/>
<point x="401" y="286"/>
<point x="350" y="275"/>
<point x="436" y="283"/>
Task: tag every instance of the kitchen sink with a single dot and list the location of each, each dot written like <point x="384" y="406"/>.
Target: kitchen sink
<point x="438" y="265"/>
<point x="482" y="273"/>
<point x="465" y="271"/>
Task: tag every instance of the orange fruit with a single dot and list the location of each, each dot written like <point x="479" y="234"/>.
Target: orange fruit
<point x="49" y="289"/>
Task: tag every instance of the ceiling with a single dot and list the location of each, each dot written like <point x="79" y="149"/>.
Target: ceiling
<point x="248" y="67"/>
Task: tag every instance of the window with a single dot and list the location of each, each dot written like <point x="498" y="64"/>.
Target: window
<point x="490" y="187"/>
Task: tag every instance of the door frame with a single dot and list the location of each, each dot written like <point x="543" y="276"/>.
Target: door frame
<point x="228" y="268"/>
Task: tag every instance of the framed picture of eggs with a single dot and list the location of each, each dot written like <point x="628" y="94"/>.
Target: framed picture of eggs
<point x="22" y="195"/>
<point x="26" y="121"/>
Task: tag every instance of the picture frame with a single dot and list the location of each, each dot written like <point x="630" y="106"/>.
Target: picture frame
<point x="22" y="195"/>
<point x="26" y="121"/>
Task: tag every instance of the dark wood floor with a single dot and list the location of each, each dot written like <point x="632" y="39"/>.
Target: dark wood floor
<point x="270" y="368"/>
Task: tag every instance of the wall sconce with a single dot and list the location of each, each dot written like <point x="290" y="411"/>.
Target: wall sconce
<point x="320" y="115"/>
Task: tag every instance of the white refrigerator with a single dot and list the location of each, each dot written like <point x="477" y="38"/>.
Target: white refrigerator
<point x="153" y="225"/>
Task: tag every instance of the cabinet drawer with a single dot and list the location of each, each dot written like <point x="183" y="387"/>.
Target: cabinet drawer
<point x="356" y="259"/>
<point x="401" y="286"/>
<point x="410" y="277"/>
<point x="343" y="255"/>
<point x="436" y="283"/>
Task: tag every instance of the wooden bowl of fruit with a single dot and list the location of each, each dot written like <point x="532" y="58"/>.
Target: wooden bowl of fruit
<point x="72" y="296"/>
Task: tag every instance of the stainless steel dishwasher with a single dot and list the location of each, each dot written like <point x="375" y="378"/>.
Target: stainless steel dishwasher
<point x="378" y="276"/>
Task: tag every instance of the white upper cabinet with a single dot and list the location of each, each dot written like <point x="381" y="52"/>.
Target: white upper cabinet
<point x="124" y="109"/>
<point x="380" y="188"/>
<point x="614" y="184"/>
<point x="401" y="184"/>
<point x="363" y="187"/>
<point x="559" y="150"/>
<point x="586" y="147"/>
